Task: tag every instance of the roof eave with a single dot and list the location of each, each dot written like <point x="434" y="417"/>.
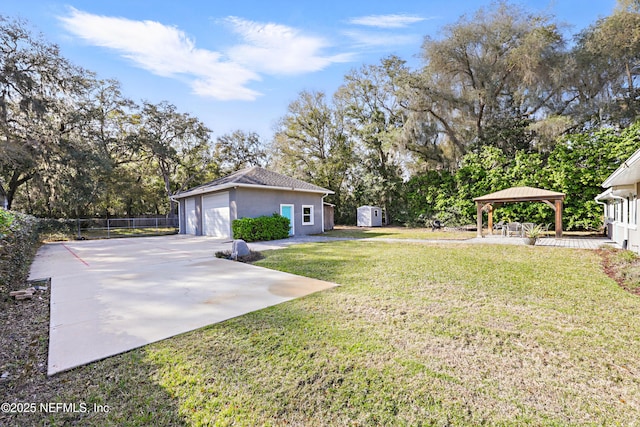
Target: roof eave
<point x="235" y="185"/>
<point x="560" y="196"/>
<point x="605" y="195"/>
<point x="617" y="177"/>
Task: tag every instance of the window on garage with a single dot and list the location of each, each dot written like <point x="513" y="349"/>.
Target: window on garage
<point x="307" y="214"/>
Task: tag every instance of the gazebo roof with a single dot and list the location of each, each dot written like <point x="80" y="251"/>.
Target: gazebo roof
<point x="520" y="194"/>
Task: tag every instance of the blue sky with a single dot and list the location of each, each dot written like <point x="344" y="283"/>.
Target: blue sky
<point x="238" y="64"/>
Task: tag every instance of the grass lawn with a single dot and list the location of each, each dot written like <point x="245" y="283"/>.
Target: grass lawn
<point x="416" y="335"/>
<point x="394" y="232"/>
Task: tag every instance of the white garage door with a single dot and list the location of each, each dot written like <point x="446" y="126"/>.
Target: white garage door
<point x="216" y="219"/>
<point x="191" y="220"/>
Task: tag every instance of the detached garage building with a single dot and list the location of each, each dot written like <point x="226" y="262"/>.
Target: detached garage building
<point x="209" y="209"/>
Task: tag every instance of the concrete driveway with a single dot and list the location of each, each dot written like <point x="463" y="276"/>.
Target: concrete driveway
<point x="110" y="296"/>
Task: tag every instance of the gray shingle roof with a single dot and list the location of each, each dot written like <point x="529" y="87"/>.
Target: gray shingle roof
<point x="255" y="177"/>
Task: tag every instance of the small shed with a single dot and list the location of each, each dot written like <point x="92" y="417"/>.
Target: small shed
<point x="369" y="216"/>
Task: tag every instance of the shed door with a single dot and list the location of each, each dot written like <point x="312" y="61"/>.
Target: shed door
<point x="190" y="215"/>
<point x="216" y="219"/>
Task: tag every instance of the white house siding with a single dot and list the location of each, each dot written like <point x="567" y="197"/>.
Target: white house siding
<point x="632" y="215"/>
<point x="633" y="234"/>
<point x="621" y="203"/>
<point x="621" y="216"/>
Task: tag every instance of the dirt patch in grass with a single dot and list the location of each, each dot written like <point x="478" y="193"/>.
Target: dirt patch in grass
<point x="252" y="256"/>
<point x="623" y="266"/>
<point x="24" y="341"/>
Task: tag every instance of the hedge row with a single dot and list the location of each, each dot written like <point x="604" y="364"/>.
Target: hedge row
<point x="19" y="241"/>
<point x="262" y="228"/>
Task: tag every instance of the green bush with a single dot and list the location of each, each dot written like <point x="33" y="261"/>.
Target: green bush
<point x="6" y="219"/>
<point x="19" y="241"/>
<point x="51" y="229"/>
<point x="262" y="228"/>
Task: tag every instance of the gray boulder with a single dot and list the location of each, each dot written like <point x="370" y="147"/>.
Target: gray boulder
<point x="239" y="248"/>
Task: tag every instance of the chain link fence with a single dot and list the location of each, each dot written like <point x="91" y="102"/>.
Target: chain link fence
<point x="106" y="228"/>
<point x="98" y="228"/>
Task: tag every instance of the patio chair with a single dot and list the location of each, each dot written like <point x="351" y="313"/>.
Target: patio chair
<point x="513" y="228"/>
<point x="526" y="227"/>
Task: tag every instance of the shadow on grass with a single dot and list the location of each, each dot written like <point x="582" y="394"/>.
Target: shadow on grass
<point x="397" y="232"/>
<point x="357" y="233"/>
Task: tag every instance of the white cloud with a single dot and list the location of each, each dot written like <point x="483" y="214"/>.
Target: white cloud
<point x="278" y="49"/>
<point x="381" y="39"/>
<point x="167" y="51"/>
<point x="387" y="21"/>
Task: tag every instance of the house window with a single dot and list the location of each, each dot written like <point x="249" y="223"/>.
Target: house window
<point x="617" y="211"/>
<point x="633" y="203"/>
<point x="612" y="210"/>
<point x="307" y="214"/>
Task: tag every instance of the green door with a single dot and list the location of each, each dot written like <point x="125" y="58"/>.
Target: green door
<point x="287" y="212"/>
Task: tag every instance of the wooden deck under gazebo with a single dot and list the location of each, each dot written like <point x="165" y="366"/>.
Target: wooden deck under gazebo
<point x="516" y="195"/>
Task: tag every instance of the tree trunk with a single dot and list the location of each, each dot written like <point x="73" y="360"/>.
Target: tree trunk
<point x="629" y="79"/>
<point x="14" y="184"/>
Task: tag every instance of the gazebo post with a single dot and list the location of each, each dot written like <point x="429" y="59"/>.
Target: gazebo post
<point x="490" y="220"/>
<point x="479" y="221"/>
<point x="558" y="210"/>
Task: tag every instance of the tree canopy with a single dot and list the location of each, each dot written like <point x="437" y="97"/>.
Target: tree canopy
<point x="503" y="97"/>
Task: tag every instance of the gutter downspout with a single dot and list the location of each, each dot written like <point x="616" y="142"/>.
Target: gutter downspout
<point x="173" y="199"/>
<point x="605" y="209"/>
